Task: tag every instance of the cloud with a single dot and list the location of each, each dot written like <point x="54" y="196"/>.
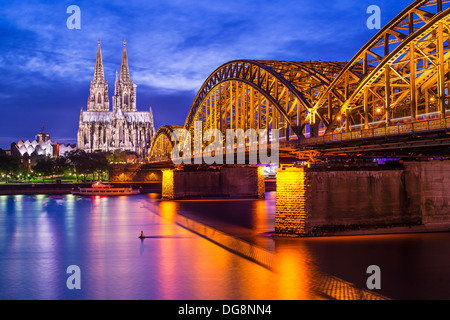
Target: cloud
<point x="172" y="45"/>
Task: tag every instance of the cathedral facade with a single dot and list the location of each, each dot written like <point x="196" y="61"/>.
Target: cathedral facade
<point x="122" y="128"/>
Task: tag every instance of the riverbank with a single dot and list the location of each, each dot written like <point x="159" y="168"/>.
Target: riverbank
<point x="66" y="188"/>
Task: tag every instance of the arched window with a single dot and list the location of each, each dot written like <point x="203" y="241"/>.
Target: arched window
<point x="99" y="98"/>
<point x="121" y="134"/>
<point x="125" y="99"/>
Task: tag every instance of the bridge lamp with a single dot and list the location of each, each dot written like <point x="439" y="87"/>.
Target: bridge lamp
<point x="378" y="110"/>
<point x="432" y="99"/>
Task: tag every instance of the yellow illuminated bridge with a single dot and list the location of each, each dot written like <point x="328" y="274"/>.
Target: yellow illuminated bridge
<point x="394" y="90"/>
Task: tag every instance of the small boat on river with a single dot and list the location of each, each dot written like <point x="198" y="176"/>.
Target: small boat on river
<point x="100" y="189"/>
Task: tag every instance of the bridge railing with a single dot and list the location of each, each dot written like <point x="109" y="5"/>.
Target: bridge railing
<point x="371" y="133"/>
<point x="400" y="129"/>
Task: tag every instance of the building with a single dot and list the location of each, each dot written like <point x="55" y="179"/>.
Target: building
<point x="42" y="136"/>
<point x="30" y="151"/>
<point x="124" y="128"/>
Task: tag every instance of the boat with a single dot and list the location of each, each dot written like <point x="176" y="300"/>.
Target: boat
<point x="101" y="189"/>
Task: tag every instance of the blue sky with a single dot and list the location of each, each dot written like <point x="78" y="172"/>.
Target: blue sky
<point x="172" y="46"/>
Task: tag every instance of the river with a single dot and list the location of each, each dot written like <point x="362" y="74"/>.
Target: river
<point x="41" y="236"/>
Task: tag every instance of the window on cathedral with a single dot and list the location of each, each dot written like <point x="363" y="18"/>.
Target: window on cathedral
<point x="121" y="134"/>
<point x="99" y="98"/>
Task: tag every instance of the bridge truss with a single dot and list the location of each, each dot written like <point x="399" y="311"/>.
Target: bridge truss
<point x="400" y="76"/>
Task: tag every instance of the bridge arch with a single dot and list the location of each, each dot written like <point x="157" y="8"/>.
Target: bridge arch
<point x="162" y="144"/>
<point x="270" y="95"/>
<point x="401" y="75"/>
<point x="407" y="94"/>
<point x="396" y="60"/>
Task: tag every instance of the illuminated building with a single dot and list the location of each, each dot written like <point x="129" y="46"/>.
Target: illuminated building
<point x="42" y="136"/>
<point x="29" y="151"/>
<point x="124" y="128"/>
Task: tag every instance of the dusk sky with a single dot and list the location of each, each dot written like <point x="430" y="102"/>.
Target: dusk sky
<point x="172" y="46"/>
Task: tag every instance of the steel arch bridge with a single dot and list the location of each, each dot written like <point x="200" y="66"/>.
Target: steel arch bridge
<point x="162" y="144"/>
<point x="400" y="76"/>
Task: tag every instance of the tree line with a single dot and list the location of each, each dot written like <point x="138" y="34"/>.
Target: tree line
<point x="77" y="163"/>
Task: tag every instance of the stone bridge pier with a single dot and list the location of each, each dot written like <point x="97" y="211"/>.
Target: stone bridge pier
<point x="197" y="182"/>
<point x="410" y="197"/>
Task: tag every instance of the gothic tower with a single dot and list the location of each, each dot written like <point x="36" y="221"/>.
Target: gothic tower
<point x="98" y="98"/>
<point x="124" y="93"/>
<point x="124" y="128"/>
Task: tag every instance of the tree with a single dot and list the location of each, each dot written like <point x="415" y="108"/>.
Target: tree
<point x="117" y="156"/>
<point x="62" y="165"/>
<point x="88" y="163"/>
<point x="99" y="163"/>
<point x="9" y="165"/>
<point x="45" y="166"/>
<point x="79" y="161"/>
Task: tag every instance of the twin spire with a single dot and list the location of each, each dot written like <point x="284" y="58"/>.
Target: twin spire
<point x="99" y="74"/>
<point x="124" y="71"/>
<point x="125" y="92"/>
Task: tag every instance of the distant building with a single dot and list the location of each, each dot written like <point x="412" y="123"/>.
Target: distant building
<point x="29" y="151"/>
<point x="124" y="128"/>
<point x="42" y="136"/>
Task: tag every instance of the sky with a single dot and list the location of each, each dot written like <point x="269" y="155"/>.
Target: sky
<point x="172" y="46"/>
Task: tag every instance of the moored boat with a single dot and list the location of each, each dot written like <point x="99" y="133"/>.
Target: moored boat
<point x="100" y="189"/>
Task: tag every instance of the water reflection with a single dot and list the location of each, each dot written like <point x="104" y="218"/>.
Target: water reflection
<point x="260" y="216"/>
<point x="296" y="271"/>
<point x="42" y="235"/>
<point x="168" y="210"/>
<point x="293" y="272"/>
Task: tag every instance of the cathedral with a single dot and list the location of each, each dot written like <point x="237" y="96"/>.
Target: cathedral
<point x="124" y="127"/>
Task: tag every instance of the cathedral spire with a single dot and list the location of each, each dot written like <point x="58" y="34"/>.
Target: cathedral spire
<point x="124" y="95"/>
<point x="124" y="70"/>
<point x="98" y="97"/>
<point x="123" y="128"/>
<point x="99" y="74"/>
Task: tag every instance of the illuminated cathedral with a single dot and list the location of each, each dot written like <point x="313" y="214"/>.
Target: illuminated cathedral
<point x="124" y="128"/>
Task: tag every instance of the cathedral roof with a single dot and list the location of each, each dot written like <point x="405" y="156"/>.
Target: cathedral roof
<point x="108" y="116"/>
<point x="97" y="116"/>
<point x="140" y="117"/>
